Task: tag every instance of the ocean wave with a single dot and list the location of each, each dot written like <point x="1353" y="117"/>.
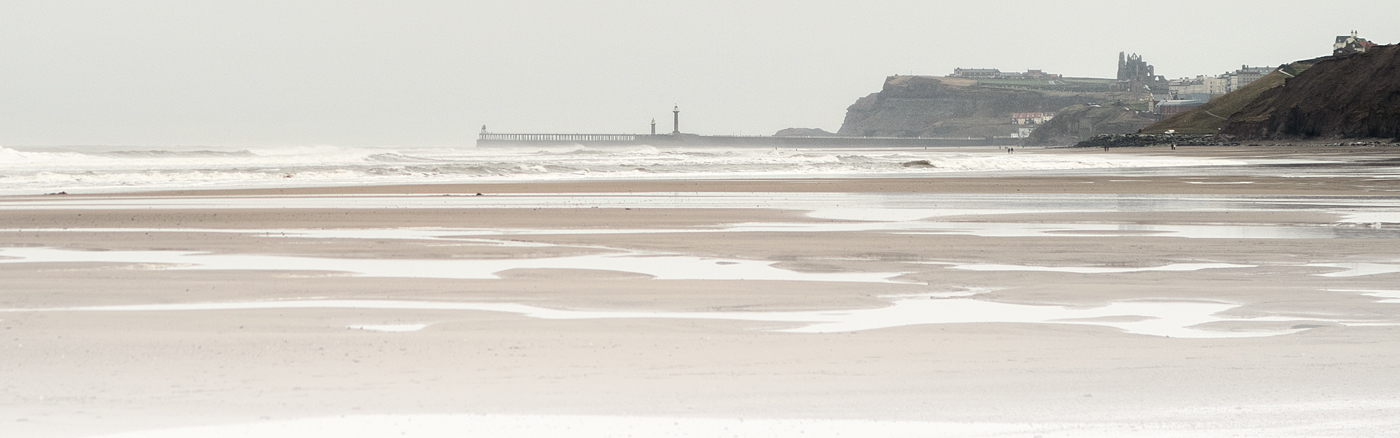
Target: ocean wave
<point x="28" y="171"/>
<point x="393" y="157"/>
<point x="11" y="157"/>
<point x="602" y="150"/>
<point x="316" y="150"/>
<point x="158" y="154"/>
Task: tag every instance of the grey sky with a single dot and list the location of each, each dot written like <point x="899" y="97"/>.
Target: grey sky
<point x="430" y="73"/>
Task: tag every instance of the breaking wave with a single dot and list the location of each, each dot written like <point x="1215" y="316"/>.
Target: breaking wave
<point x="29" y="171"/>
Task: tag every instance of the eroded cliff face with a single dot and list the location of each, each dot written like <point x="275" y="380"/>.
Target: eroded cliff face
<point x="1346" y="96"/>
<point x="929" y="106"/>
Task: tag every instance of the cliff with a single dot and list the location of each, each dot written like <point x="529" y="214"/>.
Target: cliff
<point x="1347" y="96"/>
<point x="1350" y="96"/>
<point x="1212" y="117"/>
<point x="1082" y="122"/>
<point x="928" y="106"/>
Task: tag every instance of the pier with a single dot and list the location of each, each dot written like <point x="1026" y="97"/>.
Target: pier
<point x="676" y="138"/>
<point x="558" y="138"/>
<point x="489" y="140"/>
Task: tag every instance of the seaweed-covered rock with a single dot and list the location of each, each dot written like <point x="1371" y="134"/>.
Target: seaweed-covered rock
<point x="1139" y="140"/>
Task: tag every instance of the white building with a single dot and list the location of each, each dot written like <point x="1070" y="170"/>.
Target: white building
<point x="1193" y="88"/>
<point x="1213" y="86"/>
<point x="1246" y="75"/>
<point x="1031" y="118"/>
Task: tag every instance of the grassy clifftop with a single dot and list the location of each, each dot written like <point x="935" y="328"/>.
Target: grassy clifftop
<point x="930" y="106"/>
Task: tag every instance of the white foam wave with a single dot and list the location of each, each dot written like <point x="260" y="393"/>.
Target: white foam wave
<point x="11" y="157"/>
<point x="28" y="171"/>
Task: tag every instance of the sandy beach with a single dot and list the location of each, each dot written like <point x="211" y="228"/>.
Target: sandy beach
<point x="1196" y="302"/>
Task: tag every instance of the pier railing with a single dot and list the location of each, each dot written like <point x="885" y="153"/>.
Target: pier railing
<point x="487" y="139"/>
<point x="558" y="137"/>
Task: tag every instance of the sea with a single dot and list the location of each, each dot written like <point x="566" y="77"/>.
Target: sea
<point x="99" y="169"/>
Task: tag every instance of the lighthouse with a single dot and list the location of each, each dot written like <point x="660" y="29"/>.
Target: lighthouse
<point x="676" y="121"/>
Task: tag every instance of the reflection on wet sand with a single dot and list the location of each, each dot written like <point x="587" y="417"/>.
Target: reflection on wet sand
<point x="1155" y="318"/>
<point x="659" y="266"/>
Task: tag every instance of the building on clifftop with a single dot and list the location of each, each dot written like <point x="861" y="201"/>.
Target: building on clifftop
<point x="1347" y="45"/>
<point x="1031" y="118"/>
<point x="1132" y="67"/>
<point x="1134" y="74"/>
<point x="1245" y="76"/>
<point x="1202" y="84"/>
<point x="976" y="73"/>
<point x="992" y="73"/>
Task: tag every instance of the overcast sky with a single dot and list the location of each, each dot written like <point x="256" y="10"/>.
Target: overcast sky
<point x="430" y="72"/>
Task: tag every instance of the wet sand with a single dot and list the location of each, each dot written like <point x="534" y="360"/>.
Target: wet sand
<point x="1319" y="359"/>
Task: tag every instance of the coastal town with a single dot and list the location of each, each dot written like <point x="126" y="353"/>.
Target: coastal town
<point x="1169" y="97"/>
<point x="992" y="107"/>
